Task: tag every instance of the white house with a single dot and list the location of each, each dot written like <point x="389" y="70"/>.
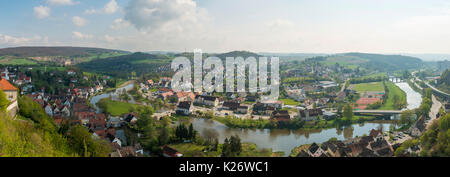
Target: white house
<point x="184" y="108"/>
<point x="49" y="110"/>
<point x="206" y="100"/>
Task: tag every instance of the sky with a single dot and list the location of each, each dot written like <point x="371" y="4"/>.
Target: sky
<point x="288" y="26"/>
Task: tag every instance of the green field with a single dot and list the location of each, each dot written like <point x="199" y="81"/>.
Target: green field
<point x="368" y="87"/>
<point x="289" y="101"/>
<point x="248" y="150"/>
<point x="390" y="102"/>
<point x="116" y="108"/>
<point x="17" y="61"/>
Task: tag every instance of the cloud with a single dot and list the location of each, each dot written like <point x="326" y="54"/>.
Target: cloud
<point x="81" y="36"/>
<point x="110" y="8"/>
<point x="79" y="21"/>
<point x="155" y="14"/>
<point x="119" y="24"/>
<point x="11" y="40"/>
<point x="61" y="2"/>
<point x="41" y="12"/>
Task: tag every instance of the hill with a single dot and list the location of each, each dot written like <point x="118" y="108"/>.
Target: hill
<point x="140" y="63"/>
<point x="54" y="51"/>
<point x="244" y="54"/>
<point x="374" y="61"/>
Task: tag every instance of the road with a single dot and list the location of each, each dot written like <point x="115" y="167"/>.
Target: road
<point x="433" y="111"/>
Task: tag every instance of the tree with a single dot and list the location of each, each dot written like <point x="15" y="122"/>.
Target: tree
<point x="163" y="137"/>
<point x="81" y="140"/>
<point x="191" y="132"/>
<point x="4" y="102"/>
<point x="232" y="147"/>
<point x="406" y="117"/>
<point x="348" y="112"/>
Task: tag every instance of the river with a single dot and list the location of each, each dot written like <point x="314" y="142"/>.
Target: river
<point x="283" y="140"/>
<point x="413" y="98"/>
<point x="114" y="95"/>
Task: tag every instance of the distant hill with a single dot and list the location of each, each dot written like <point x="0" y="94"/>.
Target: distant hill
<point x="54" y="51"/>
<point x="374" y="61"/>
<point x="121" y="65"/>
<point x="244" y="54"/>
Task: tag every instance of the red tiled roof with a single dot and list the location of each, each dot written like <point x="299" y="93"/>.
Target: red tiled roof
<point x="5" y="85"/>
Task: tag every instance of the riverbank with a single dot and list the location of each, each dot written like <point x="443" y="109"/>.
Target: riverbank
<point x="248" y="150"/>
<point x="396" y="98"/>
<point x="295" y="124"/>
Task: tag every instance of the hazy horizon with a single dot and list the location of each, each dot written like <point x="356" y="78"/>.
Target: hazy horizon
<point x="286" y="26"/>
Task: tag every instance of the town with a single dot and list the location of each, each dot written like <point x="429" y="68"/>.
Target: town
<point x="137" y="116"/>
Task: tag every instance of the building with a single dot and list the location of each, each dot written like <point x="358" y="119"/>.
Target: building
<point x="329" y="115"/>
<point x="184" y="108"/>
<point x="242" y="109"/>
<point x="281" y="116"/>
<point x="275" y="104"/>
<point x="206" y="100"/>
<point x="11" y="94"/>
<point x="328" y="84"/>
<point x="230" y="105"/>
<point x="310" y="114"/>
<point x="169" y="152"/>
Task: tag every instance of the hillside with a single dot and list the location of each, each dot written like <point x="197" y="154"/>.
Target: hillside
<point x="54" y="51"/>
<point x="22" y="139"/>
<point x="374" y="61"/>
<point x="244" y="54"/>
<point x="443" y="83"/>
<point x="121" y="65"/>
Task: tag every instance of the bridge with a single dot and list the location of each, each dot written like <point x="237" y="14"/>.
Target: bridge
<point x="384" y="112"/>
<point x="381" y="112"/>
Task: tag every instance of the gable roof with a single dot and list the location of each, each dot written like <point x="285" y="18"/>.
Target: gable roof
<point x="6" y="86"/>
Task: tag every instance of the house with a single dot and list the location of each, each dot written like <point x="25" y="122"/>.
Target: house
<point x="310" y="114"/>
<point x="242" y="109"/>
<point x="169" y="152"/>
<point x="85" y="116"/>
<point x="327" y="84"/>
<point x="230" y="105"/>
<point x="74" y="80"/>
<point x="71" y="72"/>
<point x="315" y="151"/>
<point x="281" y="116"/>
<point x="274" y="103"/>
<point x="166" y="95"/>
<point x="11" y="94"/>
<point x="206" y="100"/>
<point x="150" y="82"/>
<point x="329" y="115"/>
<point x="297" y="94"/>
<point x="184" y="108"/>
<point x="382" y="148"/>
<point x="185" y="96"/>
<point x="261" y="109"/>
<point x="114" y="122"/>
<point x="49" y="110"/>
<point x="65" y="111"/>
<point x="131" y="118"/>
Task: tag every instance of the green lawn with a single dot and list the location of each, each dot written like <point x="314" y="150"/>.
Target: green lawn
<point x="390" y="102"/>
<point x="289" y="101"/>
<point x="17" y="61"/>
<point x="116" y="108"/>
<point x="367" y="87"/>
<point x="248" y="150"/>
